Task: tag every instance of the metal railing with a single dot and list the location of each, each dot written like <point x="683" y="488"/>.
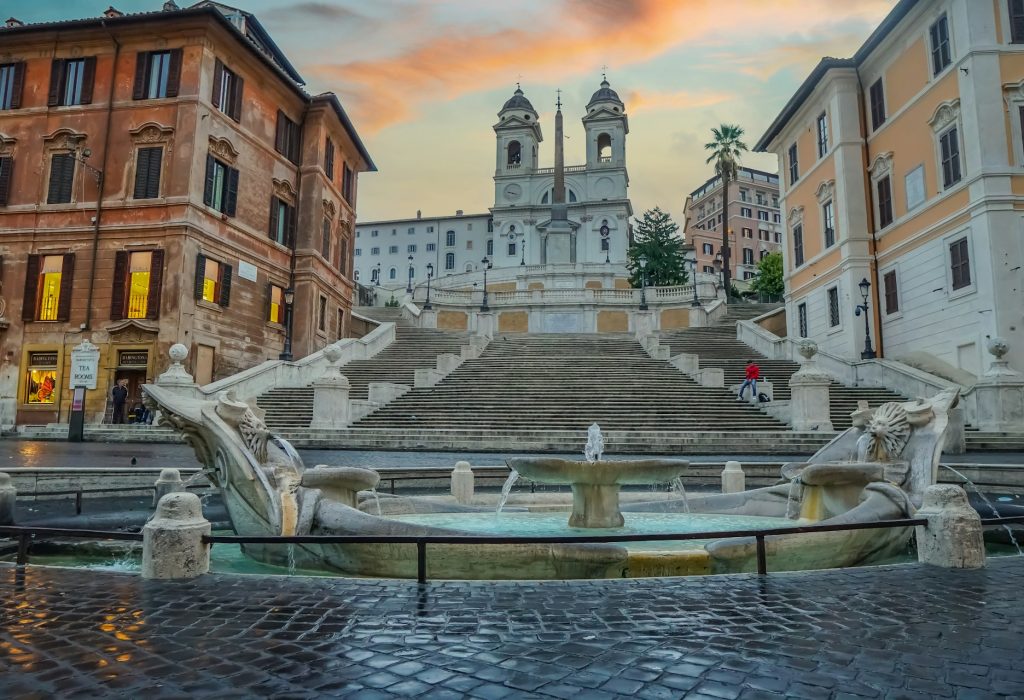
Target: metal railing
<point x="24" y="536"/>
<point x="79" y="492"/>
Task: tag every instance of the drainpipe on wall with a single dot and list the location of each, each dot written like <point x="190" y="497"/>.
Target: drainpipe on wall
<point x="290" y="330"/>
<point x="100" y="180"/>
<point x="877" y="295"/>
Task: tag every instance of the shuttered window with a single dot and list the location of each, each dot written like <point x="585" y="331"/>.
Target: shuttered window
<point x="221" y="187"/>
<point x="884" y="188"/>
<point x="147" y="172"/>
<point x="6" y="175"/>
<point x="62" y="177"/>
<point x="1017" y="21"/>
<point x="794" y="165"/>
<point x="960" y="263"/>
<point x="12" y="82"/>
<point x="949" y="146"/>
<point x="286" y="141"/>
<point x="212" y="281"/>
<point x="877" y="98"/>
<point x="798" y="245"/>
<point x="828" y="223"/>
<point x="346" y="182"/>
<point x="138" y="280"/>
<point x="321" y="315"/>
<point x="892" y="300"/>
<point x="833" y="307"/>
<point x="329" y="159"/>
<point x="282" y="222"/>
<point x="71" y="81"/>
<point x="228" y="87"/>
<point x="48" y="287"/>
<point x="157" y="74"/>
<point x="325" y="239"/>
<point x="941" y="54"/>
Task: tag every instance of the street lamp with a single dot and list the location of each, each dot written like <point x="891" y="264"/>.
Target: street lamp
<point x="430" y="273"/>
<point x="376" y="278"/>
<point x="605" y="241"/>
<point x="718" y="267"/>
<point x="642" y="261"/>
<point x="865" y="288"/>
<point x="289" y="301"/>
<point x="692" y="259"/>
<point x="408" y="287"/>
<point x="487" y="266"/>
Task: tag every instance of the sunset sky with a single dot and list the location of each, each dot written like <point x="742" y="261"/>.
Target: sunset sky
<point x="423" y="81"/>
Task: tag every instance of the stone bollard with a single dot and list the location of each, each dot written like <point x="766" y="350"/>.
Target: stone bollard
<point x="169" y="481"/>
<point x="953" y="537"/>
<point x="462" y="483"/>
<point x="172" y="542"/>
<point x="733" y="478"/>
<point x="8" y="497"/>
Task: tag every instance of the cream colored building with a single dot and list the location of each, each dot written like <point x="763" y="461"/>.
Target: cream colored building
<point x="904" y="166"/>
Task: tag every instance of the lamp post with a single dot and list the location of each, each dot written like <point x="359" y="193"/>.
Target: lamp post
<point x="376" y="278"/>
<point x="606" y="242"/>
<point x="865" y="288"/>
<point x="289" y="301"/>
<point x="692" y="259"/>
<point x="487" y="266"/>
<point x="642" y="261"/>
<point x="718" y="267"/>
<point x="408" y="286"/>
<point x="81" y="157"/>
<point x="430" y="273"/>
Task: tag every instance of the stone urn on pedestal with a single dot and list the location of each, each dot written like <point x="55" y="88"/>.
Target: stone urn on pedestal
<point x="809" y="388"/>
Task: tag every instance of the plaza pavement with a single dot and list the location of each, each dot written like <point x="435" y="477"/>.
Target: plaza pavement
<point x="906" y="631"/>
<point x="41" y="454"/>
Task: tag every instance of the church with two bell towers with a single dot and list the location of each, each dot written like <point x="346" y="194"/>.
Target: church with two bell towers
<point x="563" y="214"/>
<point x="560" y="215"/>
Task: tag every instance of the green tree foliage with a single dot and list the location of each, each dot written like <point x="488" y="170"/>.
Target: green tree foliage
<point x="656" y="240"/>
<point x="768" y="282"/>
<point x="726" y="149"/>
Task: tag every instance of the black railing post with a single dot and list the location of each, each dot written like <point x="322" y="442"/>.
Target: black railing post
<point x="762" y="559"/>
<point x="23" y="548"/>
<point x="78" y="502"/>
<point x="421" y="561"/>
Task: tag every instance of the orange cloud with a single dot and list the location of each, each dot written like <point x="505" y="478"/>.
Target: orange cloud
<point x="641" y="100"/>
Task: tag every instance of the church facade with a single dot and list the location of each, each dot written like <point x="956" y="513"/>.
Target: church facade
<point x="541" y="216"/>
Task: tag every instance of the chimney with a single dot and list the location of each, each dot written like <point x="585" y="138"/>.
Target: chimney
<point x="419" y="213"/>
<point x="112" y="11"/>
<point x="170" y="6"/>
<point x="458" y="212"/>
<point x="14" y="22"/>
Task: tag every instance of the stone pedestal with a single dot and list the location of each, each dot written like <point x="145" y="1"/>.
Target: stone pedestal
<point x="595" y="505"/>
<point x="8" y="497"/>
<point x="644" y="323"/>
<point x="331" y="408"/>
<point x="169" y="481"/>
<point x="685" y="362"/>
<point x="953" y="538"/>
<point x="448" y="362"/>
<point x="462" y="483"/>
<point x="177" y="378"/>
<point x="711" y="377"/>
<point x="172" y="542"/>
<point x="1000" y="393"/>
<point x="733" y="478"/>
<point x="486" y="324"/>
<point x="428" y="318"/>
<point x="809" y="401"/>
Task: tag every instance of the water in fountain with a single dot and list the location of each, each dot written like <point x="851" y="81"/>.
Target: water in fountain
<point x="793" y="500"/>
<point x="995" y="513"/>
<point x="376" y="499"/>
<point x="595" y="444"/>
<point x="507" y="489"/>
<point x="677" y="486"/>
<point x="291" y="560"/>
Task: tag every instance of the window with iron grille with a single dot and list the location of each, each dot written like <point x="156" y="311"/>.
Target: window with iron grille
<point x="833" y="307"/>
<point x="892" y="301"/>
<point x="801" y="312"/>
<point x="960" y="263"/>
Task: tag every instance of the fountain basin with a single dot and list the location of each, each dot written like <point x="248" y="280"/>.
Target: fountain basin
<point x="595" y="485"/>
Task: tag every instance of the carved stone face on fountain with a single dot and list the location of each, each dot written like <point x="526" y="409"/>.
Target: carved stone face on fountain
<point x="885" y="434"/>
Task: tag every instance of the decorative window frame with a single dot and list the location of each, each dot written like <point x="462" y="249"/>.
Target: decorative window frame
<point x="1013" y="98"/>
<point x="7" y="145"/>
<point x="881" y="166"/>
<point x="145" y="136"/>
<point x="285" y="191"/>
<point x="972" y="288"/>
<point x="65" y="141"/>
<point x="945" y="117"/>
<point x="223" y="150"/>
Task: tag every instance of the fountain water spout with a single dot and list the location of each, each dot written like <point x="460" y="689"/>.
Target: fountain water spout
<point x="595" y="444"/>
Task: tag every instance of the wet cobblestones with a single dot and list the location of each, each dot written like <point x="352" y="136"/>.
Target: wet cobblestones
<point x="891" y="632"/>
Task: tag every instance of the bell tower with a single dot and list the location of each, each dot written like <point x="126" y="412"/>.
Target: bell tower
<point x="606" y="126"/>
<point x="518" y="136"/>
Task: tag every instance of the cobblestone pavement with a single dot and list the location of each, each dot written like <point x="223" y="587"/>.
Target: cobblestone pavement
<point x="889" y="632"/>
<point x="39" y="453"/>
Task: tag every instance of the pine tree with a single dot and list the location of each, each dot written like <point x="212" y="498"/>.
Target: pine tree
<point x="656" y="240"/>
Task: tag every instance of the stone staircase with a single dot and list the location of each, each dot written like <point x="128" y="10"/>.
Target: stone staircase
<point x="718" y="347"/>
<point x="289" y="409"/>
<point x="544" y="383"/>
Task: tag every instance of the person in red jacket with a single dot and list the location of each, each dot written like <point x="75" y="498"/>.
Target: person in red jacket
<point x="753" y="373"/>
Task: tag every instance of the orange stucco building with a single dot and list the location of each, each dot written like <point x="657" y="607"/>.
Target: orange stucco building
<point x="903" y="166"/>
<point x="164" y="178"/>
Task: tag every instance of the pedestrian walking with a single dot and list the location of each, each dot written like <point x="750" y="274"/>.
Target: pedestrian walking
<point x="753" y="373"/>
<point x="119" y="394"/>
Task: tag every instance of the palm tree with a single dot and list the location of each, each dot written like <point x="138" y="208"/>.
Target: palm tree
<point x="726" y="150"/>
